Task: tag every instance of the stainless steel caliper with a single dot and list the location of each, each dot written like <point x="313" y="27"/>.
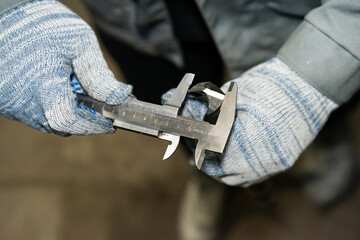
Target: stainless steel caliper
<point x="164" y="122"/>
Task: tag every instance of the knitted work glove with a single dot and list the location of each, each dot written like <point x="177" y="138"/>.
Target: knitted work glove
<point x="47" y="53"/>
<point x="278" y="115"/>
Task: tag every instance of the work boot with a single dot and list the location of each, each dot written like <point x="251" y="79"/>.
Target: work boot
<point x="201" y="208"/>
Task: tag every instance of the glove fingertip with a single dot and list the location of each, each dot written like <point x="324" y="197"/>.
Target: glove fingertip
<point x="118" y="94"/>
<point x="166" y="96"/>
<point x="90" y="123"/>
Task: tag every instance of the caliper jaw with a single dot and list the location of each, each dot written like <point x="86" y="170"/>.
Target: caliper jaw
<point x="219" y="134"/>
<point x="177" y="98"/>
<point x="163" y="121"/>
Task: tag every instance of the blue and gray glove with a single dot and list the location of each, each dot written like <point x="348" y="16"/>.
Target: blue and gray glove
<point x="278" y="116"/>
<point x="47" y="53"/>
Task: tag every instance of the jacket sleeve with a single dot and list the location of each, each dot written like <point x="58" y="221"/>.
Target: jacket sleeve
<point x="325" y="49"/>
<point x="6" y="5"/>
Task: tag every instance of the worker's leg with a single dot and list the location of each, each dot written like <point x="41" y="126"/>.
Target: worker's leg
<point x="331" y="162"/>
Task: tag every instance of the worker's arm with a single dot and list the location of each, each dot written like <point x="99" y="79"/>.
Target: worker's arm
<point x="325" y="49"/>
<point x="283" y="103"/>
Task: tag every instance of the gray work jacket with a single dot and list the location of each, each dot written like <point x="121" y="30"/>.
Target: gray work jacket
<point x="318" y="39"/>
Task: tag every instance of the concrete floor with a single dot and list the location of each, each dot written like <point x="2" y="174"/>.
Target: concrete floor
<point x="116" y="187"/>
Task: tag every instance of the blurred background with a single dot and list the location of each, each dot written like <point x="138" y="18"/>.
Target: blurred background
<point x="117" y="187"/>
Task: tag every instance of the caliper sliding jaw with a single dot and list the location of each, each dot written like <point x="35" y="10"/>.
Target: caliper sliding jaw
<point x="164" y="122"/>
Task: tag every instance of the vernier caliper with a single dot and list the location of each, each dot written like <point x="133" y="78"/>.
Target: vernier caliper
<point x="164" y="122"/>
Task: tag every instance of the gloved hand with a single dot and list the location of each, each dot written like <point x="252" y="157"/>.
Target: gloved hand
<point x="47" y="53"/>
<point x="278" y="115"/>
